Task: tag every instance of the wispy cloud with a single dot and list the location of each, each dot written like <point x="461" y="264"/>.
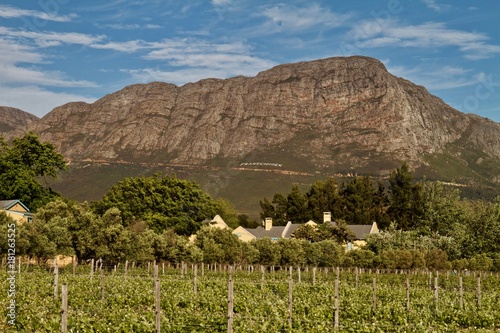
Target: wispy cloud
<point x="13" y="12"/>
<point x="36" y="100"/>
<point x="129" y="26"/>
<point x="19" y="66"/>
<point x="391" y="33"/>
<point x="40" y="37"/>
<point x="187" y="60"/>
<point x="437" y="7"/>
<point x="288" y="18"/>
<point x="435" y="77"/>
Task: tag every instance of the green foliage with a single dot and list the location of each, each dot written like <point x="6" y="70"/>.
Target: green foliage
<point x="162" y="201"/>
<point x="405" y="198"/>
<point x="218" y="245"/>
<point x="21" y="165"/>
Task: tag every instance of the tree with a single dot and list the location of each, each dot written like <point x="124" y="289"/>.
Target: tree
<point x="359" y="201"/>
<point x="21" y="166"/>
<point x="405" y="198"/>
<point x="297" y="206"/>
<point x="162" y="201"/>
<point x="218" y="245"/>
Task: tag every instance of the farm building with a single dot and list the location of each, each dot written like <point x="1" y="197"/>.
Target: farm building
<point x="16" y="210"/>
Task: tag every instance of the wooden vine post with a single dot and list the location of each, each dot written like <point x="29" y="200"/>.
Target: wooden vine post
<point x="290" y="302"/>
<point x="336" y="305"/>
<point x="479" y="291"/>
<point x="460" y="292"/>
<point x="195" y="279"/>
<point x="157" y="300"/>
<point x="102" y="284"/>
<point x="374" y="298"/>
<point x="56" y="279"/>
<point x="91" y="269"/>
<point x="230" y="302"/>
<point x="262" y="278"/>
<point x="64" y="309"/>
<point x="407" y="294"/>
<point x="436" y="292"/>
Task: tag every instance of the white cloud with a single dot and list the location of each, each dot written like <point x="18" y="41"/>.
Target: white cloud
<point x="434" y="77"/>
<point x="35" y="100"/>
<point x="14" y="58"/>
<point x="437" y="7"/>
<point x="221" y="2"/>
<point x="387" y="33"/>
<point x="49" y="15"/>
<point x="286" y="18"/>
<point x="52" y="37"/>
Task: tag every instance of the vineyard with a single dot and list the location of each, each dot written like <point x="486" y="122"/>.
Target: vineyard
<point x="195" y="298"/>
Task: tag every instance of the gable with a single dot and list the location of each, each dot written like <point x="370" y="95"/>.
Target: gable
<point x="13" y="205"/>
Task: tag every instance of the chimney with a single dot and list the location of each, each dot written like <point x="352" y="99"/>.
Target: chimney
<point x="269" y="223"/>
<point x="327" y="217"/>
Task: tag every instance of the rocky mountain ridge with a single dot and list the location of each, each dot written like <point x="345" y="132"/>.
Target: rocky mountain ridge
<point x="325" y="116"/>
<point x="12" y="119"/>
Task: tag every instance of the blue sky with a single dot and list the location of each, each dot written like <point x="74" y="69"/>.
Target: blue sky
<point x="56" y="51"/>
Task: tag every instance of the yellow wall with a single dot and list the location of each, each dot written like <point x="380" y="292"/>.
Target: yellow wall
<point x="243" y="235"/>
<point x="18" y="208"/>
<point x="18" y="217"/>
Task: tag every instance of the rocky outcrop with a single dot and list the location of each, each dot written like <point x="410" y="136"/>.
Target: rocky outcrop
<point x="331" y="114"/>
<point x="12" y="119"/>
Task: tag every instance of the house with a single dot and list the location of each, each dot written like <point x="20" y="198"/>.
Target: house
<point x="277" y="232"/>
<point x="267" y="230"/>
<point x="16" y="210"/>
<point x="218" y="222"/>
<point x="360" y="232"/>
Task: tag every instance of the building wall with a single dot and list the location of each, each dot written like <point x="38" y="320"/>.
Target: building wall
<point x="16" y="216"/>
<point x="18" y="208"/>
<point x="243" y="235"/>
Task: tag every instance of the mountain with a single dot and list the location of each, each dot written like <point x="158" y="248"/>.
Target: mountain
<point x="12" y="119"/>
<point x="310" y="119"/>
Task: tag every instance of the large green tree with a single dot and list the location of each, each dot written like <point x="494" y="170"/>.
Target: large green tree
<point x="162" y="201"/>
<point x="23" y="165"/>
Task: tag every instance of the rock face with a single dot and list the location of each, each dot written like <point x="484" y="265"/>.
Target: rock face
<point x="12" y="119"/>
<point x="331" y="114"/>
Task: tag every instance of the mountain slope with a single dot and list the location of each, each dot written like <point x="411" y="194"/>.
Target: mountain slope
<point x="308" y="119"/>
<point x="12" y="119"/>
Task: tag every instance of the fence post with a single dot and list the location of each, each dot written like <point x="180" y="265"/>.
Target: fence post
<point x="56" y="279"/>
<point x="91" y="269"/>
<point x="479" y="291"/>
<point x="262" y="278"/>
<point x="64" y="309"/>
<point x="460" y="292"/>
<point x="157" y="300"/>
<point x="436" y="291"/>
<point x="290" y="300"/>
<point x="102" y="284"/>
<point x="195" y="279"/>
<point x="230" y="303"/>
<point x="336" y="305"/>
<point x="407" y="294"/>
<point x="374" y="298"/>
<point x="125" y="270"/>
